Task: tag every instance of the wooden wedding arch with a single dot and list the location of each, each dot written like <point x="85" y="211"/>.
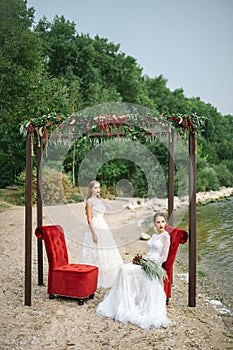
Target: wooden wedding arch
<point x="41" y="128"/>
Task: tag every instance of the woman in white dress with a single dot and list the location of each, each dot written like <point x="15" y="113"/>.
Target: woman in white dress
<point x="134" y="297"/>
<point x="99" y="247"/>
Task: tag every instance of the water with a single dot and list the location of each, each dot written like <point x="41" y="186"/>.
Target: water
<point x="215" y="248"/>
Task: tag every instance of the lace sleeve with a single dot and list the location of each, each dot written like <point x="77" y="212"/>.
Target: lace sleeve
<point x="165" y="250"/>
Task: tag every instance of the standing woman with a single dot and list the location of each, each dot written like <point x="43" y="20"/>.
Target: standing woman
<point x="99" y="247"/>
<point x="135" y="296"/>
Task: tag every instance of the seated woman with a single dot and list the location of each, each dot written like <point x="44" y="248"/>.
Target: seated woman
<point x="135" y="296"/>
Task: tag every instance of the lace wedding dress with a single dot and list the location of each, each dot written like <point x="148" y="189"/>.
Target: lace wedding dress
<point x="103" y="254"/>
<point x="136" y="298"/>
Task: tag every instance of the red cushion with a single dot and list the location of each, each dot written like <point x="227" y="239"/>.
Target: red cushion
<point x="79" y="282"/>
<point x="77" y="268"/>
<point x="177" y="236"/>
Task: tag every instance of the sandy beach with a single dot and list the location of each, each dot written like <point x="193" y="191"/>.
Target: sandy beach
<point x="63" y="324"/>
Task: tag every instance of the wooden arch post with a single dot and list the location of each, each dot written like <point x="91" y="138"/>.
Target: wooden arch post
<point x="192" y="219"/>
<point x="28" y="218"/>
<point x="39" y="213"/>
<point x="28" y="221"/>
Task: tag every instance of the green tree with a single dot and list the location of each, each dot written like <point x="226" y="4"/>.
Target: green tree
<point x="159" y="93"/>
<point x="26" y="89"/>
<point x="97" y="63"/>
<point x="53" y="68"/>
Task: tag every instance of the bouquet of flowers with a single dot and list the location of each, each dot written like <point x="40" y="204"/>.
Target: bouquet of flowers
<point x="151" y="267"/>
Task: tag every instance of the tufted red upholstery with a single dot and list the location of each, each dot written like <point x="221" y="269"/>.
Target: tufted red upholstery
<point x="73" y="280"/>
<point x="177" y="236"/>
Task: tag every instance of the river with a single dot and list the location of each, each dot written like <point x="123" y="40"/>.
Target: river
<point x="215" y="248"/>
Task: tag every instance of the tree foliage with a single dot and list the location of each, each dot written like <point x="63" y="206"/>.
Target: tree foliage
<point x="53" y="68"/>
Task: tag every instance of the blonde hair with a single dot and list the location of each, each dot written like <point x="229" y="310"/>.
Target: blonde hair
<point x="90" y="187"/>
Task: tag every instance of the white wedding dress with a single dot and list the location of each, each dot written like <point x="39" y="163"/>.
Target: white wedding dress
<point x="105" y="253"/>
<point x="136" y="298"/>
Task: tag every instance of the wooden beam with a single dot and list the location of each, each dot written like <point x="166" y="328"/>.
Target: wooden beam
<point x="115" y="133"/>
<point x="192" y="220"/>
<point x="39" y="213"/>
<point x="28" y="222"/>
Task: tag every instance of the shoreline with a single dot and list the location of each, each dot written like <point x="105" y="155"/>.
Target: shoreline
<point x="202" y="198"/>
<point x="213" y="196"/>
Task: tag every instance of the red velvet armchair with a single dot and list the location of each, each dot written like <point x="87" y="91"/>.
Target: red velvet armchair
<point x="177" y="237"/>
<point x="71" y="280"/>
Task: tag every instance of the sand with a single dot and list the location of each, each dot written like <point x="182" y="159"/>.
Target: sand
<point x="63" y="324"/>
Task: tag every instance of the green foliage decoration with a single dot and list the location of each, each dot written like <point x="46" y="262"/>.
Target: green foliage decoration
<point x="112" y="125"/>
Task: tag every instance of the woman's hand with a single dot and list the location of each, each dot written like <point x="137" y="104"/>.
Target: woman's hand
<point x="95" y="238"/>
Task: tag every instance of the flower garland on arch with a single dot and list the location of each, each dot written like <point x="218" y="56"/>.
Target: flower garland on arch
<point x="109" y="125"/>
<point x="42" y="127"/>
<point x="186" y="123"/>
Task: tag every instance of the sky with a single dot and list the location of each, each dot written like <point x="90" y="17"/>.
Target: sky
<point x="189" y="42"/>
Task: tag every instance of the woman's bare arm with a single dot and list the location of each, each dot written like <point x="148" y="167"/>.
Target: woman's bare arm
<point x="90" y="223"/>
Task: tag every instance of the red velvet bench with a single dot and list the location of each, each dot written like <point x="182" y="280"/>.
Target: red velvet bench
<point x="64" y="279"/>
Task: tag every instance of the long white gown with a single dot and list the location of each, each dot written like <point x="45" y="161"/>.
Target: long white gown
<point x="136" y="298"/>
<point x="105" y="253"/>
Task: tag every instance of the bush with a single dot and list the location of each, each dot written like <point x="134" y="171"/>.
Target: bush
<point x="225" y="176"/>
<point x="12" y="195"/>
<point x="207" y="179"/>
<point x="56" y="188"/>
